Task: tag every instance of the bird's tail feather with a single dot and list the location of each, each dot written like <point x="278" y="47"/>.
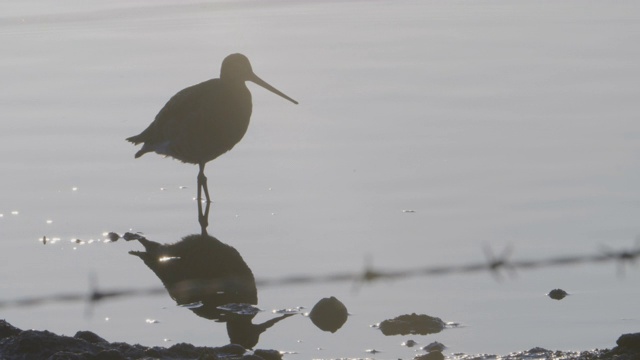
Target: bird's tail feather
<point x="141" y="152"/>
<point x="135" y="139"/>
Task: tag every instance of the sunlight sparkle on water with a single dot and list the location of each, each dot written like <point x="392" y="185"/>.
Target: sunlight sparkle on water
<point x="295" y="310"/>
<point x="193" y="305"/>
<point x="167" y="258"/>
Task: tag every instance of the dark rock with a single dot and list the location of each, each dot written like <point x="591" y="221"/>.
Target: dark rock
<point x="628" y="348"/>
<point x="631" y="341"/>
<point x="129" y="351"/>
<point x="434" y="347"/>
<point x="7" y="330"/>
<point x="329" y="314"/>
<point x="209" y="357"/>
<point x="233" y="349"/>
<point x="538" y="350"/>
<point x="268" y="354"/>
<point x="109" y="355"/>
<point x="436" y="355"/>
<point x="38" y="345"/>
<point x="182" y="349"/>
<point x="152" y="352"/>
<point x="251" y="357"/>
<point x="34" y="344"/>
<point x="65" y="355"/>
<point x="90" y="337"/>
<point x="409" y="343"/>
<point x="557" y="294"/>
<point x="412" y="324"/>
<point x="113" y="236"/>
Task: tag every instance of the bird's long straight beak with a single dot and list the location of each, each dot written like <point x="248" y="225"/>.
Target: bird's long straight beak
<point x="266" y="85"/>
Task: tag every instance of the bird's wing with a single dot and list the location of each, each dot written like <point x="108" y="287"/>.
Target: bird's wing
<point x="180" y="114"/>
<point x="185" y="110"/>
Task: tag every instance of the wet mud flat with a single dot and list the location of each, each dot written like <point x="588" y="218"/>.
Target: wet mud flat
<point x="17" y="344"/>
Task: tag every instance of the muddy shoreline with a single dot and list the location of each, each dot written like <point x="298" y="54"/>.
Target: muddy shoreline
<point x="17" y="344"/>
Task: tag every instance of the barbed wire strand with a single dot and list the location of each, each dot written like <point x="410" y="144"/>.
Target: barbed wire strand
<point x="492" y="264"/>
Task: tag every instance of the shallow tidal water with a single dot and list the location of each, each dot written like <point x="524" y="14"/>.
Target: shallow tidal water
<point x="428" y="134"/>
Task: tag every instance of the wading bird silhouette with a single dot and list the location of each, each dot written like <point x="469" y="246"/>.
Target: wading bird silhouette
<point x="204" y="121"/>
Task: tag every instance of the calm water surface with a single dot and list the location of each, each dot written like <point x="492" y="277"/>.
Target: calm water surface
<point x="500" y="124"/>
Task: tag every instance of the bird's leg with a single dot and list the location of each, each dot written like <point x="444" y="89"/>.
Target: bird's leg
<point x="202" y="184"/>
<point x="199" y="198"/>
<point x="206" y="191"/>
<point x="203" y="217"/>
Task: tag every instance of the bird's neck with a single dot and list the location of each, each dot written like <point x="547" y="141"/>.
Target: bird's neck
<point x="231" y="81"/>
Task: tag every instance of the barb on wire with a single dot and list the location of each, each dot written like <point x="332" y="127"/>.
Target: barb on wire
<point x="497" y="263"/>
<point x="623" y="257"/>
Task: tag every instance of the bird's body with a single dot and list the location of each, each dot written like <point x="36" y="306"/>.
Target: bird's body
<point x="204" y="121"/>
<point x="193" y="128"/>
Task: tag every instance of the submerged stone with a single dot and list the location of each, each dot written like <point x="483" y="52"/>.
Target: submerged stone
<point x="436" y="355"/>
<point x="329" y="314"/>
<point x="409" y="343"/>
<point x="557" y="294"/>
<point x="412" y="324"/>
<point x="434" y="346"/>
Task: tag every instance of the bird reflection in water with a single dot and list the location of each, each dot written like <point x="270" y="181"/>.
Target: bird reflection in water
<point x="211" y="279"/>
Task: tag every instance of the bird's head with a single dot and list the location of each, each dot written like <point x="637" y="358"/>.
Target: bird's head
<point x="237" y="68"/>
